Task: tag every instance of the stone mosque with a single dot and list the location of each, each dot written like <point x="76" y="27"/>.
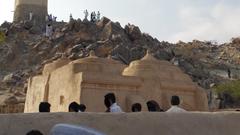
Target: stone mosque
<point x="87" y="80"/>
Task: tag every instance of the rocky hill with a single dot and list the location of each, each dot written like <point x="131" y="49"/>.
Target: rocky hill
<point x="25" y="51"/>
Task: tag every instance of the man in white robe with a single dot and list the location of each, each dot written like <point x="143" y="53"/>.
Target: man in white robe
<point x="175" y="101"/>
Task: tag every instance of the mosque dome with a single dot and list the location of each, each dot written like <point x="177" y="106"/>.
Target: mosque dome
<point x="96" y="64"/>
<point x="150" y="67"/>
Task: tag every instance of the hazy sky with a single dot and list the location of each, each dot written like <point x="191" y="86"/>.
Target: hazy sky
<point x="169" y="20"/>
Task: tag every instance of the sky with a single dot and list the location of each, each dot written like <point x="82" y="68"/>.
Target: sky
<point x="168" y="20"/>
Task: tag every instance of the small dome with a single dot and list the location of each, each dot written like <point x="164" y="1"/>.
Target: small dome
<point x="96" y="64"/>
<point x="150" y="67"/>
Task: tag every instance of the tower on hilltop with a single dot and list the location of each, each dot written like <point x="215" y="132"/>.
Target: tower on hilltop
<point x="38" y="9"/>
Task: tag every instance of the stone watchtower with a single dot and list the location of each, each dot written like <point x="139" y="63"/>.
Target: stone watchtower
<point x="23" y="8"/>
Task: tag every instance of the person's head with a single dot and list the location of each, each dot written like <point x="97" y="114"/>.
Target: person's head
<point x="153" y="106"/>
<point x="109" y="99"/>
<point x="82" y="107"/>
<point x="34" y="132"/>
<point x="136" y="107"/>
<point x="44" y="107"/>
<point x="175" y="100"/>
<point x="73" y="107"/>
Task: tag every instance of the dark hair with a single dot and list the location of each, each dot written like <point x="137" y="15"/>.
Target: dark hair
<point x="34" y="132"/>
<point x="153" y="106"/>
<point x="44" y="107"/>
<point x="175" y="100"/>
<point x="73" y="107"/>
<point x="111" y="97"/>
<point x="82" y="107"/>
<point x="136" y="107"/>
<point x="107" y="103"/>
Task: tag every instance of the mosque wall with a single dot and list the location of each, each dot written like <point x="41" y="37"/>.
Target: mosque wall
<point x="87" y="80"/>
<point x="37" y="92"/>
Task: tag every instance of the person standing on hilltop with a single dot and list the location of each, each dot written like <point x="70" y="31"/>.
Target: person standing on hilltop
<point x="98" y="16"/>
<point x="91" y="17"/>
<point x="94" y="16"/>
<point x="86" y="14"/>
<point x="70" y="17"/>
<point x="50" y="18"/>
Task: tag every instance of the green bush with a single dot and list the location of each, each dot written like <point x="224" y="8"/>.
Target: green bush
<point x="2" y="37"/>
<point x="232" y="87"/>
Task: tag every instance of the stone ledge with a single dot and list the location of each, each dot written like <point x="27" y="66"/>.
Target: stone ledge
<point x="127" y="123"/>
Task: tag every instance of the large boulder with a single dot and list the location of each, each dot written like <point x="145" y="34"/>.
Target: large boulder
<point x="5" y="25"/>
<point x="11" y="100"/>
<point x="133" y="32"/>
<point x="28" y="25"/>
<point x="103" y="22"/>
<point x="109" y="29"/>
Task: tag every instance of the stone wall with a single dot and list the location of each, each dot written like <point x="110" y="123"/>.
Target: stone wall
<point x="127" y="123"/>
<point x="11" y="109"/>
<point x="39" y="8"/>
<point x="31" y="2"/>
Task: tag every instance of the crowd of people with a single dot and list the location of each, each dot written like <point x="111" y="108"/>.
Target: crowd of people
<point x="94" y="17"/>
<point x="111" y="107"/>
<point x="51" y="18"/>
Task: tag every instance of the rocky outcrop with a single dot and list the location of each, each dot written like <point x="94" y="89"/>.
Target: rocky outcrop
<point x="26" y="50"/>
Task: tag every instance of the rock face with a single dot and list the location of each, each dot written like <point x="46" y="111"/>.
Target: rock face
<point x="25" y="51"/>
<point x="144" y="80"/>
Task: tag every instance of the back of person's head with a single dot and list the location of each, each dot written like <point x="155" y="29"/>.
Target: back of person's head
<point x="111" y="97"/>
<point x="136" y="107"/>
<point x="175" y="100"/>
<point x="153" y="106"/>
<point x="34" y="132"/>
<point x="82" y="107"/>
<point x="44" y="107"/>
<point x="73" y="107"/>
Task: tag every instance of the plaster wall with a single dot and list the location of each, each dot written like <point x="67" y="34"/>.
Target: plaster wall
<point x="36" y="93"/>
<point x="127" y="123"/>
<point x="64" y="88"/>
